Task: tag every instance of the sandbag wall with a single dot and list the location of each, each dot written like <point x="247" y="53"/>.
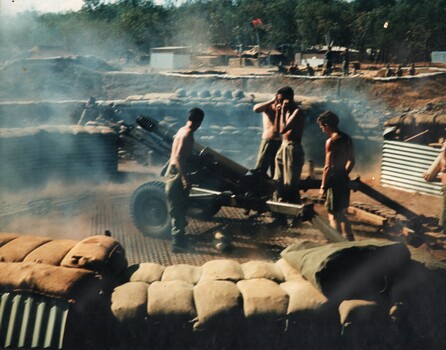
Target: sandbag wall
<point x="56" y="293"/>
<point x="34" y="155"/>
<point x="265" y="305"/>
<point x="222" y="304"/>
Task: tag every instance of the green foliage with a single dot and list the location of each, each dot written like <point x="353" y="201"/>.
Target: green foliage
<point x="415" y="27"/>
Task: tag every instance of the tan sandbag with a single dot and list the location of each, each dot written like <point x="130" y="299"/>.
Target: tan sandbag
<point x="68" y="283"/>
<point x="182" y="272"/>
<point x="171" y="299"/>
<point x="217" y="302"/>
<point x="289" y="272"/>
<point x="129" y="302"/>
<point x="143" y="272"/>
<point x="51" y="253"/>
<point x="221" y="270"/>
<point x="262" y="269"/>
<point x="351" y="311"/>
<point x="262" y="297"/>
<point x="97" y="253"/>
<point x="17" y="249"/>
<point x="303" y="296"/>
<point x="6" y="237"/>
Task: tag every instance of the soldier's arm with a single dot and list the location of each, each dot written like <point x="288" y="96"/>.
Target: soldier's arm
<point x="350" y="157"/>
<point x="263" y="106"/>
<point x="327" y="167"/>
<point x="291" y="121"/>
<point x="184" y="151"/>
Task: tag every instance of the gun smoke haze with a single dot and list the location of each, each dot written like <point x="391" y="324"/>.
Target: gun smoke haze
<point x="61" y="210"/>
<point x="40" y="65"/>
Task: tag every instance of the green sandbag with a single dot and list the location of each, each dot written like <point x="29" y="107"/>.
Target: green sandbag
<point x="349" y="270"/>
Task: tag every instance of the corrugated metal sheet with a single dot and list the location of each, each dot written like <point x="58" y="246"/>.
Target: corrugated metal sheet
<point x="403" y="165"/>
<point x="30" y="321"/>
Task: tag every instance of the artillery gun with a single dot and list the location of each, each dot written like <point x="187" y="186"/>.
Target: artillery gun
<point x="219" y="181"/>
<point x="216" y="181"/>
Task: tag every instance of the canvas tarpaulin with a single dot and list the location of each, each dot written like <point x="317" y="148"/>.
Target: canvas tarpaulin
<point x="347" y="270"/>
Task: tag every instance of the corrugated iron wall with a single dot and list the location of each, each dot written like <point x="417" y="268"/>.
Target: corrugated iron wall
<point x="403" y="164"/>
<point x="30" y="321"/>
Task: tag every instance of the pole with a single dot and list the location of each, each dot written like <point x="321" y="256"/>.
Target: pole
<point x="258" y="44"/>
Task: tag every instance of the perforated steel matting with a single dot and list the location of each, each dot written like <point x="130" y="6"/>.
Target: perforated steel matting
<point x="83" y="214"/>
<point x="253" y="237"/>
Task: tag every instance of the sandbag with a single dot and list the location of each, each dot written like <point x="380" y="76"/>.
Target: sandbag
<point x="357" y="311"/>
<point x="129" y="302"/>
<point x="365" y="325"/>
<point x="218" y="303"/>
<point x="349" y="270"/>
<point x="67" y="283"/>
<point x="221" y="270"/>
<point x="263" y="298"/>
<point x="303" y="296"/>
<point x="51" y="253"/>
<point x="5" y="237"/>
<point x="171" y="300"/>
<point x="17" y="249"/>
<point x="97" y="253"/>
<point x="182" y="272"/>
<point x="289" y="272"/>
<point x="143" y="272"/>
<point x="262" y="269"/>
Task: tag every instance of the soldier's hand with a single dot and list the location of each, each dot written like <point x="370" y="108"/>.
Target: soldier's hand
<point x="322" y="193"/>
<point x="286" y="103"/>
<point x="186" y="185"/>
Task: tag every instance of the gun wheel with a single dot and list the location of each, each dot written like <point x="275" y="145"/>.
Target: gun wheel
<point x="148" y="210"/>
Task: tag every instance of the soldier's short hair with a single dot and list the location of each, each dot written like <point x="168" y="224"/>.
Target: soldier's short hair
<point x="287" y="93"/>
<point x="328" y="118"/>
<point x="195" y="115"/>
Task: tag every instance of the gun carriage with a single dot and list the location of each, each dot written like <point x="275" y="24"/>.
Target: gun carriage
<point x="216" y="181"/>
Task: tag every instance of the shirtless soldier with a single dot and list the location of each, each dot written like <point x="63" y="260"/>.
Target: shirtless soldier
<point x="290" y="156"/>
<point x="270" y="137"/>
<point x="339" y="162"/>
<point x="177" y="184"/>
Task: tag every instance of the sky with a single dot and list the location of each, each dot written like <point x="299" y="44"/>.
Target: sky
<point x="12" y="7"/>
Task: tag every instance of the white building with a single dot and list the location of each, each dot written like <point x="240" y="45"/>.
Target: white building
<point x="438" y="56"/>
<point x="170" y="57"/>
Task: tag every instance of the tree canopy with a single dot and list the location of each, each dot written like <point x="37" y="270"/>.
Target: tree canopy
<point x="399" y="30"/>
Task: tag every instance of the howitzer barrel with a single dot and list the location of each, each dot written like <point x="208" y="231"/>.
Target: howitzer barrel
<point x="167" y="134"/>
<point x="236" y="169"/>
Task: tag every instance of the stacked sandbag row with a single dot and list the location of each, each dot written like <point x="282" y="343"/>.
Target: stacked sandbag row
<point x="34" y="155"/>
<point x="54" y="290"/>
<point x="59" y="268"/>
<point x="221" y="304"/>
<point x="366" y="294"/>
